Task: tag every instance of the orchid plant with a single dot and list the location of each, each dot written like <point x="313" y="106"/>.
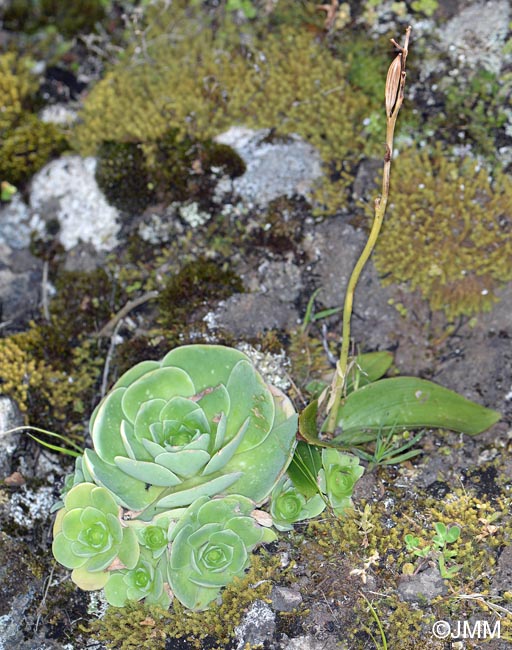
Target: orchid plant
<point x="187" y="450"/>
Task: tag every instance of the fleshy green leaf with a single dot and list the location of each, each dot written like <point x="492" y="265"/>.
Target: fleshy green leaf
<point x="62" y="552"/>
<point x="186" y="462"/>
<point x="225" y="454"/>
<point x="89" y="581"/>
<point x="116" y="589"/>
<point x="308" y="427"/>
<point x="147" y="414"/>
<point x="135" y="373"/>
<point x="267" y="463"/>
<point x="130" y="492"/>
<point x="79" y="496"/>
<point x="250" y="398"/>
<point x="163" y="383"/>
<point x="408" y="402"/>
<point x="208" y="488"/>
<point x="149" y="473"/>
<point x="105" y="426"/>
<point x="207" y="365"/>
<point x="129" y="549"/>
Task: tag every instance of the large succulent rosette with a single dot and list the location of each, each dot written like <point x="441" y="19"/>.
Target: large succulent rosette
<point x="201" y="422"/>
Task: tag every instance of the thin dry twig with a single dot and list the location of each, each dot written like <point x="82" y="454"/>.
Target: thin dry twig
<point x="124" y="311"/>
<point x="44" y="292"/>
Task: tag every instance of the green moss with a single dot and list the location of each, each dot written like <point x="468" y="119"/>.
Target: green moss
<point x="70" y="18"/>
<point x="20" y="568"/>
<point x="447" y="232"/>
<point x="177" y="168"/>
<point x="17" y="85"/>
<point x="83" y="304"/>
<point x="27" y="147"/>
<point x="52" y="369"/>
<point x="196" y="284"/>
<point x="141" y="626"/>
<point x="280" y="228"/>
<point x="283" y="79"/>
<point x="53" y="392"/>
<point x="122" y="176"/>
<point x="333" y="548"/>
<point x="185" y="168"/>
<point x="473" y="111"/>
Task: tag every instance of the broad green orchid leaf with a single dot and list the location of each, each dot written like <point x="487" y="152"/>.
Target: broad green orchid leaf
<point x="408" y="403"/>
<point x="368" y="368"/>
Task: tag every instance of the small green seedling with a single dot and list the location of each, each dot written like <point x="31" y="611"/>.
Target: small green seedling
<point x="438" y="548"/>
<point x="388" y="450"/>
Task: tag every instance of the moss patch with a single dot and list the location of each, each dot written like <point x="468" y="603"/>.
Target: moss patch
<point x="280" y="77"/>
<point x="447" y="232"/>
<point x="191" y="288"/>
<point x="141" y="626"/>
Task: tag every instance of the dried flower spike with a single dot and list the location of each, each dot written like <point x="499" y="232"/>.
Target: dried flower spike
<point x="393" y="84"/>
<point x="395" y="79"/>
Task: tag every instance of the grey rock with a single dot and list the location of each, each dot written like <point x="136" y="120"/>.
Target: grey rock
<point x="285" y="599"/>
<point x="66" y="190"/>
<point x="476" y="35"/>
<point x="20" y="282"/>
<point x="274" y="169"/>
<point x="10" y="417"/>
<point x="333" y="248"/>
<point x="309" y="642"/>
<point x="250" y="314"/>
<point x="84" y="258"/>
<point x="280" y="278"/>
<point x="479" y="366"/>
<point x="502" y="579"/>
<point x="273" y="288"/>
<point x="15" y="226"/>
<point x="257" y="626"/>
<point x="424" y="586"/>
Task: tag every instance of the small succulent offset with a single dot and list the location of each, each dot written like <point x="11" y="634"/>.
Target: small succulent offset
<point x="89" y="536"/>
<point x="337" y="478"/>
<point x="210" y="546"/>
<point x="289" y="505"/>
<point x="184" y="450"/>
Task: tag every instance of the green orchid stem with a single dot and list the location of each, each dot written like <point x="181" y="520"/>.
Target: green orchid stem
<point x="395" y="83"/>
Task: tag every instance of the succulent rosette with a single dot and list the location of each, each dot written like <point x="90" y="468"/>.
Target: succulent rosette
<point x="337" y="478"/>
<point x="210" y="546"/>
<point x="200" y="422"/>
<point x="288" y="505"/>
<point x="143" y="581"/>
<point x="154" y="536"/>
<point x="89" y="536"/>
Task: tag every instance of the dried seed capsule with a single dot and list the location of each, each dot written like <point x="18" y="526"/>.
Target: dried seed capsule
<point x="393" y="84"/>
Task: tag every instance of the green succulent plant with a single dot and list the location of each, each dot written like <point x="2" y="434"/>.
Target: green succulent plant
<point x="337" y="478"/>
<point x="144" y="581"/>
<point x="289" y="505"/>
<point x="210" y="546"/>
<point x="89" y="536"/>
<point x="201" y="422"/>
